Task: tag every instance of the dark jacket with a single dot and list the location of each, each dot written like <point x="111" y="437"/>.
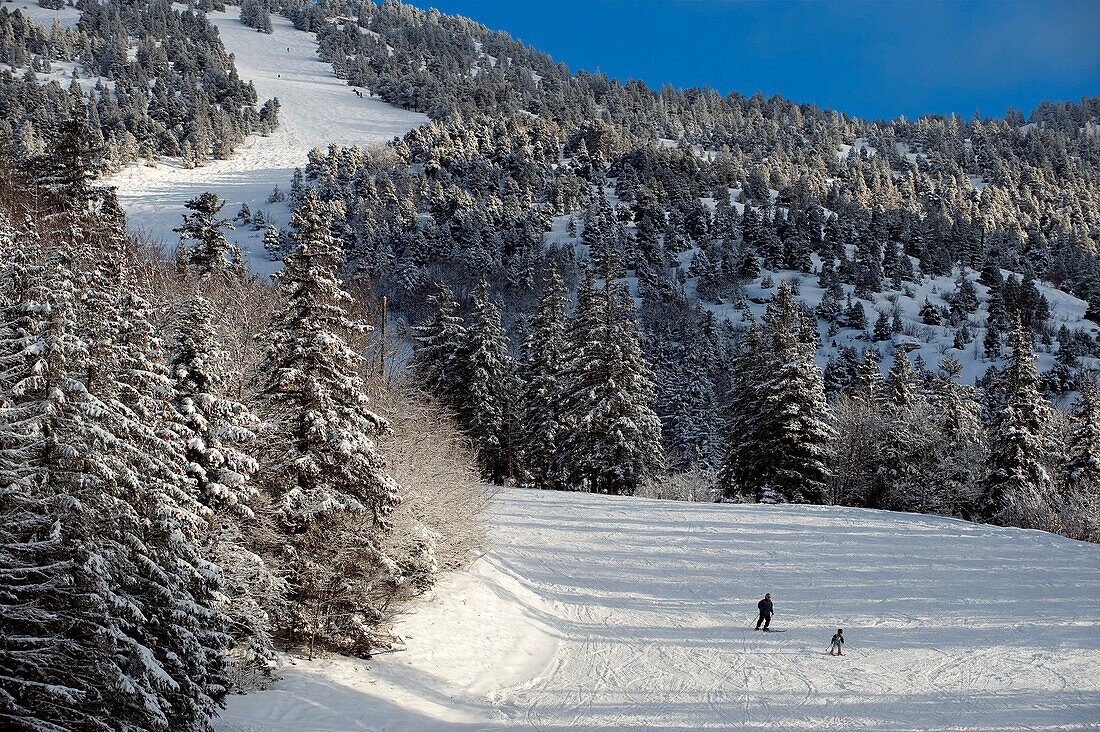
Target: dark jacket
<point x="838" y="638"/>
<point x="765" y="606"/>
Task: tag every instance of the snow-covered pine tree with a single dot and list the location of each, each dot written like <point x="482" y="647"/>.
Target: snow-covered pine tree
<point x="695" y="407"/>
<point x="614" y="438"/>
<point x="1080" y="475"/>
<point x="881" y="330"/>
<point x="790" y="434"/>
<point x="491" y="389"/>
<point x="183" y="625"/>
<point x="273" y="243"/>
<point x="901" y="382"/>
<point x="437" y="363"/>
<point x="543" y="372"/>
<point x="220" y="431"/>
<point x="961" y="454"/>
<point x="211" y="252"/>
<point x="906" y="456"/>
<point x="72" y="164"/>
<point x="797" y="413"/>
<point x="221" y="437"/>
<point x="130" y="660"/>
<point x="50" y="613"/>
<point x="321" y="468"/>
<point x="746" y="418"/>
<point x="1017" y="490"/>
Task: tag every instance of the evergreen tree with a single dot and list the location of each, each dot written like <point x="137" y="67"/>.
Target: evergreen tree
<point x="220" y="431"/>
<point x="137" y="609"/>
<point x="273" y="243"/>
<point x="212" y="252"/>
<point x="614" y="438"/>
<point x="490" y="389"/>
<point x="787" y="439"/>
<point x="73" y="163"/>
<point x="330" y="485"/>
<point x="543" y="371"/>
<point x="1018" y="487"/>
<point x="882" y="328"/>
<point x="695" y="415"/>
<point x="906" y="462"/>
<point x="962" y="454"/>
<point x="437" y="363"/>
<point x="54" y="668"/>
<point x="746" y="425"/>
<point x="1080" y="475"/>
<point x="184" y="632"/>
<point x="221" y="436"/>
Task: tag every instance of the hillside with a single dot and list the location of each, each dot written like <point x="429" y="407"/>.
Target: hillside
<point x="928" y="237"/>
<point x="701" y="249"/>
<point x="596" y="611"/>
<point x="316" y="110"/>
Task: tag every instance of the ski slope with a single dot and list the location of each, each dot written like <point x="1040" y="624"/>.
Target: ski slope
<point x="316" y="109"/>
<point x="598" y="611"/>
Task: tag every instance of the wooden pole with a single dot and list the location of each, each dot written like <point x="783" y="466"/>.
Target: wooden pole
<point x="382" y="351"/>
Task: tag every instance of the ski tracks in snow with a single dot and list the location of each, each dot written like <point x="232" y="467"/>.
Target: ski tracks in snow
<point x="647" y="597"/>
<point x="603" y="612"/>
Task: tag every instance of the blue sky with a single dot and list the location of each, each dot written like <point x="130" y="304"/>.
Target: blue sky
<point x="875" y="59"/>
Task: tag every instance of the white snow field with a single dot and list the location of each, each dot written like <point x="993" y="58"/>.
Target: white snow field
<point x="597" y="611"/>
<point x="316" y="109"/>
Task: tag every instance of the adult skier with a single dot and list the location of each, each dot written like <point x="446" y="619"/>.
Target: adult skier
<point x="765" y="607"/>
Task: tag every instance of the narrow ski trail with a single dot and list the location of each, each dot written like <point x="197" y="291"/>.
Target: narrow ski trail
<point x="316" y="109"/>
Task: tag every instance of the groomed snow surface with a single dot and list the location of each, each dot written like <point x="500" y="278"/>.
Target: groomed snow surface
<point x="316" y="109"/>
<point x="597" y="611"/>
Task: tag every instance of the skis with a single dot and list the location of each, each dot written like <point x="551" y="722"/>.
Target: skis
<point x="770" y="630"/>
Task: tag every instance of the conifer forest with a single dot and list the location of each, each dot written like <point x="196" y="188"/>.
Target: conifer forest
<point x="558" y="281"/>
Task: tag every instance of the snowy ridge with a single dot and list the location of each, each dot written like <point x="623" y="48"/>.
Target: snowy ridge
<point x="635" y="613"/>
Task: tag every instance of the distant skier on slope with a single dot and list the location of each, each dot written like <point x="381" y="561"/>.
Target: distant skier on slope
<point x="765" y="607"/>
<point x="838" y="641"/>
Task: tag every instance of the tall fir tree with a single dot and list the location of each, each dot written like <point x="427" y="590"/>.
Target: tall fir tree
<point x="491" y="388"/>
<point x="543" y="370"/>
<point x="220" y="437"/>
<point x="211" y="252"/>
<point x="614" y="439"/>
<point x="962" y="454"/>
<point x="221" y="432"/>
<point x="136" y="611"/>
<point x="746" y="422"/>
<point x="437" y="363"/>
<point x="328" y="481"/>
<point x="1080" y="475"/>
<point x="1017" y="491"/>
<point x="785" y="444"/>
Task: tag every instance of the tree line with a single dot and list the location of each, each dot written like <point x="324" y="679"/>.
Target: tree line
<point x="192" y="467"/>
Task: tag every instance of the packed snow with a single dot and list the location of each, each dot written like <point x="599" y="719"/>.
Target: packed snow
<point x="316" y="109"/>
<point x="67" y="16"/>
<point x="598" y="611"/>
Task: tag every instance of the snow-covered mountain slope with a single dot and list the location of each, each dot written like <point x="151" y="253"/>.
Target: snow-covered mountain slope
<point x="596" y="611"/>
<point x="67" y="16"/>
<point x="316" y="109"/>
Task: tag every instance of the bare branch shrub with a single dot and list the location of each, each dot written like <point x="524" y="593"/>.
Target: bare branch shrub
<point x="443" y="498"/>
<point x="691" y="485"/>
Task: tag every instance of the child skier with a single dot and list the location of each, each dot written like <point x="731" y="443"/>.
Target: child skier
<point x="838" y="641"/>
